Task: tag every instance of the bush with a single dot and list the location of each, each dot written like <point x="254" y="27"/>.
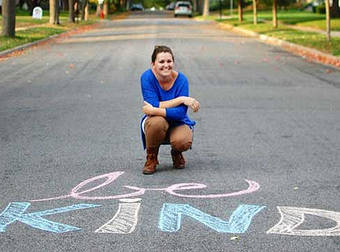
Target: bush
<point x="321" y="9"/>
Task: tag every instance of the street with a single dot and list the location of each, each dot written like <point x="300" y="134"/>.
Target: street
<point x="262" y="174"/>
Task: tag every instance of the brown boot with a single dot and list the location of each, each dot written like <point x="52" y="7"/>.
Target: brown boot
<point x="177" y="159"/>
<point x="151" y="160"/>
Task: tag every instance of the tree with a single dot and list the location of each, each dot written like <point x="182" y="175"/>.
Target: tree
<point x="335" y="11"/>
<point x="206" y="8"/>
<point x="275" y="13"/>
<point x="85" y="10"/>
<point x="71" y="11"/>
<point x="194" y="5"/>
<point x="106" y="8"/>
<point x="255" y="12"/>
<point x="65" y="5"/>
<point x="240" y="10"/>
<point x="328" y="21"/>
<point x="8" y="18"/>
<point x="54" y="12"/>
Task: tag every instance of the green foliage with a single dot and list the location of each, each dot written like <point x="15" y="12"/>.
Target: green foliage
<point x="280" y="3"/>
<point x="308" y="39"/>
<point x="321" y="9"/>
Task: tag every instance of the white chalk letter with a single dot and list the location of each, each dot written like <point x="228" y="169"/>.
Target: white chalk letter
<point x="125" y="220"/>
<point x="293" y="217"/>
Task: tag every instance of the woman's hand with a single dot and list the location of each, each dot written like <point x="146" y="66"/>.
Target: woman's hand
<point x="192" y="103"/>
<point x="148" y="109"/>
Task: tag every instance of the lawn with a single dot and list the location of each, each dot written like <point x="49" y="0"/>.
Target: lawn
<point x="29" y="29"/>
<point x="309" y="39"/>
<point x="285" y="31"/>
<point x="293" y="17"/>
<point x="27" y="36"/>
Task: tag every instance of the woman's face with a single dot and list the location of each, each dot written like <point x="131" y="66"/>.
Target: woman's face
<point x="163" y="64"/>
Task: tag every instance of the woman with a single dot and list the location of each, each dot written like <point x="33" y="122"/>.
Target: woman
<point x="166" y="102"/>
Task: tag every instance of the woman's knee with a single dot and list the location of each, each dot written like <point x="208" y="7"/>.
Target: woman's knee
<point x="181" y="144"/>
<point x="156" y="124"/>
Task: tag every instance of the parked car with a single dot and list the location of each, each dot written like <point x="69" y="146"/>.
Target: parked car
<point x="183" y="8"/>
<point x="137" y="7"/>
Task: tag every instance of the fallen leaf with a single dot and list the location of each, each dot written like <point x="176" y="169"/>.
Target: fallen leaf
<point x="296" y="188"/>
<point x="233" y="238"/>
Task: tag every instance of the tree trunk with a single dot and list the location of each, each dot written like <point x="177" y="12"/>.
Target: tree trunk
<point x="71" y="11"/>
<point x="106" y="8"/>
<point x="8" y="18"/>
<point x="328" y="21"/>
<point x="335" y="10"/>
<point x="98" y="10"/>
<point x="254" y="12"/>
<point x="54" y="11"/>
<point x="194" y="7"/>
<point x="65" y="5"/>
<point x="240" y="10"/>
<point x="87" y="12"/>
<point x="206" y="8"/>
<point x="274" y="14"/>
<point x="83" y="10"/>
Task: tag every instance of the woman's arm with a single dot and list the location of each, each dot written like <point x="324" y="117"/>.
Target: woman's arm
<point x="187" y="101"/>
<point x="172" y="103"/>
<point x="149" y="110"/>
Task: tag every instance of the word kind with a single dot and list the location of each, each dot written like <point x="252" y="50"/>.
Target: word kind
<point x="125" y="220"/>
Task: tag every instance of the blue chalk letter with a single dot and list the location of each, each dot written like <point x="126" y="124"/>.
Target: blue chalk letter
<point x="15" y="212"/>
<point x="171" y="217"/>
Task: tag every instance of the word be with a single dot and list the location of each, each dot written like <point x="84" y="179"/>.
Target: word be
<point x="111" y="177"/>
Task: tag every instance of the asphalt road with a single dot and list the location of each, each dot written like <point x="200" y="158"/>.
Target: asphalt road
<point x="70" y="112"/>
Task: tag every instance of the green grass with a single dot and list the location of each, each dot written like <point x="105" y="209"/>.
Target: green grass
<point x="27" y="36"/>
<point x="286" y="32"/>
<point x="309" y="39"/>
<point x="35" y="29"/>
<point x="321" y="24"/>
<point x="293" y="17"/>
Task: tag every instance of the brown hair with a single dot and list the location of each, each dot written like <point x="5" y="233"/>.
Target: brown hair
<point x="160" y="49"/>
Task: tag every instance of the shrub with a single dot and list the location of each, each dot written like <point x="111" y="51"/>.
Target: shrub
<point x="321" y="9"/>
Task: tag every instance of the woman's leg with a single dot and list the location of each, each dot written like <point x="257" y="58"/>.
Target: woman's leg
<point x="155" y="129"/>
<point x="180" y="140"/>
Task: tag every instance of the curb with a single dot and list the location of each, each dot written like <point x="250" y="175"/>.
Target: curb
<point x="306" y="52"/>
<point x="24" y="46"/>
<point x="9" y="52"/>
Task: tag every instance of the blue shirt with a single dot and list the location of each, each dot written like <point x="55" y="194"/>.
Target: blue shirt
<point x="153" y="93"/>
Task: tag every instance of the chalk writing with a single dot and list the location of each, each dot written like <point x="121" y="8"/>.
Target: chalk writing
<point x="110" y="177"/>
<point x="15" y="212"/>
<point x="293" y="217"/>
<point x="171" y="217"/>
<point x="125" y="220"/>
